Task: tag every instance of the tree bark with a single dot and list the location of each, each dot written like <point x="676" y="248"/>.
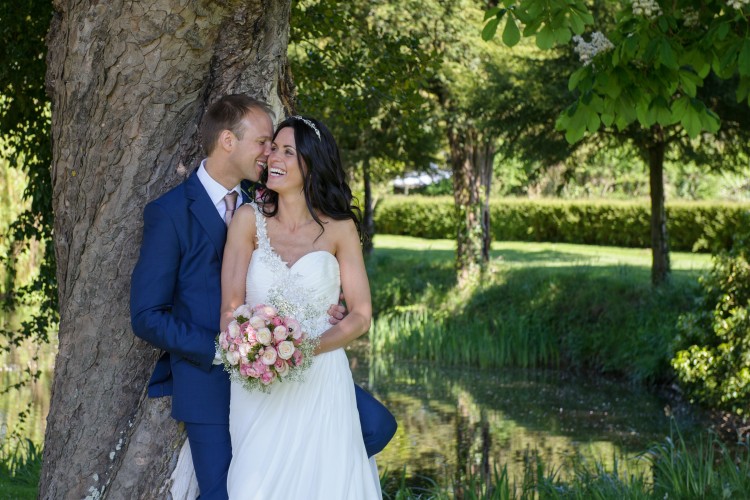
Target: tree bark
<point x="129" y="82"/>
<point x="368" y="217"/>
<point x="468" y="154"/>
<point x="660" y="268"/>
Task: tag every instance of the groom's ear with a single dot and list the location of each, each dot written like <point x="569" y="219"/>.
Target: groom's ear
<point x="227" y="140"/>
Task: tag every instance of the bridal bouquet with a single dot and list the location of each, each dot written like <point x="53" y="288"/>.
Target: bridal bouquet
<point x="260" y="347"/>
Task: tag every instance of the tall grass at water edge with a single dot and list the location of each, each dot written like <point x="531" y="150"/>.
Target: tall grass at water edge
<point x="589" y="308"/>
<point x="702" y="469"/>
<point x="20" y="465"/>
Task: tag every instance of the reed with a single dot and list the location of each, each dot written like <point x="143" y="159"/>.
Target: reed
<point x="707" y="469"/>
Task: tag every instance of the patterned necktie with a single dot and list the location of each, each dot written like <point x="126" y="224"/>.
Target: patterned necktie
<point x="230" y="200"/>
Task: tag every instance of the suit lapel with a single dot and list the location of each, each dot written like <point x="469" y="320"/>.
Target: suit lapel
<point x="205" y="212"/>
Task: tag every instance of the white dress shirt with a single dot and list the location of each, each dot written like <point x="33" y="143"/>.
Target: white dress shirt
<point x="216" y="191"/>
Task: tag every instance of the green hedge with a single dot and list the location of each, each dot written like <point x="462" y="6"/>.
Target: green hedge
<point x="691" y="226"/>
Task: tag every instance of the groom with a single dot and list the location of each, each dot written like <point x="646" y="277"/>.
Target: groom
<point x="175" y="291"/>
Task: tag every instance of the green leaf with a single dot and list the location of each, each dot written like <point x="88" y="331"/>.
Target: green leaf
<point x="490" y="29"/>
<point x="511" y="35"/>
<point x="689" y="81"/>
<point x="545" y="38"/>
<point x="698" y="61"/>
<point x="743" y="89"/>
<point x="666" y="55"/>
<point x="710" y="121"/>
<point x="492" y="12"/>
<point x="576" y="77"/>
<point x="743" y="61"/>
<point x="608" y="119"/>
<point x="561" y="35"/>
<point x="574" y="135"/>
<point x="593" y="122"/>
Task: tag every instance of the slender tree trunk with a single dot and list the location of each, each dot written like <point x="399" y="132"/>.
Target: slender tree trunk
<point x="368" y="223"/>
<point x="467" y="161"/>
<point x="129" y="82"/>
<point x="659" y="239"/>
<point x="485" y="160"/>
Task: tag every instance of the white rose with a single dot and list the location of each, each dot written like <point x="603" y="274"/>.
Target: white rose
<point x="269" y="356"/>
<point x="243" y="311"/>
<point x="243" y="349"/>
<point x="285" y="349"/>
<point x="264" y="336"/>
<point x="233" y="330"/>
<point x="257" y="322"/>
<point x="233" y="357"/>
<point x="280" y="333"/>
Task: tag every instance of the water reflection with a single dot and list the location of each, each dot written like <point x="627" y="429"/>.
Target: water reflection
<point x="451" y="422"/>
<point x="457" y="422"/>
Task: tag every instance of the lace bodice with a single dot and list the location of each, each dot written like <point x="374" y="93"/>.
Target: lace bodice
<point x="305" y="290"/>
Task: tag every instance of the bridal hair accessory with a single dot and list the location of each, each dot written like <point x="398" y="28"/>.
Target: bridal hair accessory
<point x="308" y="123"/>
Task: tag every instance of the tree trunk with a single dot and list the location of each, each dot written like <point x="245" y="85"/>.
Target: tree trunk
<point x="485" y="159"/>
<point x="129" y="82"/>
<point x="368" y="219"/>
<point x="659" y="238"/>
<point x="467" y="159"/>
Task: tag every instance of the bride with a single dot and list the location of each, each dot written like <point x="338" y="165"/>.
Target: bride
<point x="300" y="245"/>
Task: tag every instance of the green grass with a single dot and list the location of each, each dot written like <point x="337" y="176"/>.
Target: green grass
<point x="584" y="307"/>
<point x="20" y="465"/>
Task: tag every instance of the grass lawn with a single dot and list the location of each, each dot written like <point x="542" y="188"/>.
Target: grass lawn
<point x="541" y="305"/>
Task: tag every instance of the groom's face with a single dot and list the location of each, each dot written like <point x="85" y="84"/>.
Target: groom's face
<point x="251" y="152"/>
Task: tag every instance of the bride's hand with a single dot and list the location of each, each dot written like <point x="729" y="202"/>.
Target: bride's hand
<point x="337" y="311"/>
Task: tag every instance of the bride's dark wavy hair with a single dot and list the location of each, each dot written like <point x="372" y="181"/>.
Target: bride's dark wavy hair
<point x="324" y="179"/>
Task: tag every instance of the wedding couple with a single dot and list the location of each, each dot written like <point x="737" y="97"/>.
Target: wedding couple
<point x="299" y="242"/>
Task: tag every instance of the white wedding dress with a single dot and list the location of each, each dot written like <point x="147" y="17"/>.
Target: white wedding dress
<point x="303" y="440"/>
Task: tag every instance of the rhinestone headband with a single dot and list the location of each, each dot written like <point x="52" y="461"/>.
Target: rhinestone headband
<point x="308" y="123"/>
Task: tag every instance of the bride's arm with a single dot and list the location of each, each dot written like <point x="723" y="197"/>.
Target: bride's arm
<point x="237" y="252"/>
<point x="356" y="290"/>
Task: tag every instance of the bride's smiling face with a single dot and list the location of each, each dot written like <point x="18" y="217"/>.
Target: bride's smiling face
<point x="284" y="169"/>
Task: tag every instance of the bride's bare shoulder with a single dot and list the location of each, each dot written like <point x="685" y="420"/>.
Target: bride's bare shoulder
<point x="245" y="216"/>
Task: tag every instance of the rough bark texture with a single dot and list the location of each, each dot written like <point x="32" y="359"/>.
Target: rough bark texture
<point x="129" y="82"/>
<point x="660" y="268"/>
<point x="368" y="217"/>
<point x="470" y="155"/>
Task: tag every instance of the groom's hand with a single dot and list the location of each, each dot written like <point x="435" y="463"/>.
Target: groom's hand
<point x="337" y="311"/>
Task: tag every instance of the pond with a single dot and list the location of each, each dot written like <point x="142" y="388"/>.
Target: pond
<point x="450" y="420"/>
<point x="457" y="421"/>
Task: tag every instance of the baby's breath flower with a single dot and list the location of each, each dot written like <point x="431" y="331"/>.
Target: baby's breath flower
<point x="738" y="4"/>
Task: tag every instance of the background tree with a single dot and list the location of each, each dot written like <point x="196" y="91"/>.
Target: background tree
<point x="129" y="82"/>
<point x="642" y="80"/>
<point x="24" y="134"/>
<point x="363" y="77"/>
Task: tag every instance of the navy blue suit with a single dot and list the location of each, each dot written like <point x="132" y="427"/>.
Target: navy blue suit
<point x="175" y="302"/>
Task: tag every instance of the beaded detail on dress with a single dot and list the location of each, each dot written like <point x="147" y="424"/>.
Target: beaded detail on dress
<point x="286" y="293"/>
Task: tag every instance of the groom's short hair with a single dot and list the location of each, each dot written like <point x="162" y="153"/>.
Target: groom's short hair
<point x="227" y="114"/>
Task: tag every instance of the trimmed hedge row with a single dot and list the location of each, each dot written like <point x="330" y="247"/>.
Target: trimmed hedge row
<point x="692" y="226"/>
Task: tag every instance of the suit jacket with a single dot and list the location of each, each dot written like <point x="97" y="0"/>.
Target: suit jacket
<point x="175" y="300"/>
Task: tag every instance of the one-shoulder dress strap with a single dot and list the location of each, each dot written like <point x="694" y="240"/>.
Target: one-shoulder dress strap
<point x="260" y="229"/>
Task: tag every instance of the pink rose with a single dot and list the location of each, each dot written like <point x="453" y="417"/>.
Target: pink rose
<point x="285" y="349"/>
<point x="259" y="367"/>
<point x="264" y="311"/>
<point x="223" y="340"/>
<point x="269" y="356"/>
<point x="264" y="336"/>
<point x="267" y="377"/>
<point x="297" y="357"/>
<point x="277" y="321"/>
<point x="282" y="368"/>
<point x="280" y="333"/>
<point x="293" y="327"/>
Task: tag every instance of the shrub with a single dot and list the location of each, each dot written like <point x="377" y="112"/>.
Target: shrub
<point x="714" y="361"/>
<point x="691" y="225"/>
